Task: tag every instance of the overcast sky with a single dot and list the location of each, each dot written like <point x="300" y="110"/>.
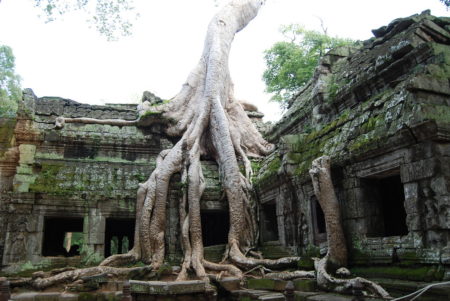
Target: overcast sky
<point x="65" y="58"/>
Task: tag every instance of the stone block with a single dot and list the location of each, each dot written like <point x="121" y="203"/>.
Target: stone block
<point x="352" y="208"/>
<point x="428" y="83"/>
<point x="68" y="297"/>
<point x="439" y="186"/>
<point x="303" y="296"/>
<point x="445" y="255"/>
<point x="414" y="222"/>
<point x="391" y="242"/>
<point x="305" y="285"/>
<point x="418" y="170"/>
<point x="230" y="283"/>
<point x="167" y="288"/>
<point x="329" y="297"/>
<point x="48" y="296"/>
<point x="139" y="287"/>
<point x="261" y="284"/>
<point x="411" y="191"/>
<point x="24" y="296"/>
<point x="381" y="256"/>
<point x="272" y="297"/>
<point x="27" y="152"/>
<point x="446" y="274"/>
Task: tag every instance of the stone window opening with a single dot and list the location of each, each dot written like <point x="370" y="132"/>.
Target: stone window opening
<point x="318" y="218"/>
<point x="62" y="236"/>
<point x="215" y="226"/>
<point x="119" y="236"/>
<point x="385" y="197"/>
<point x="269" y="225"/>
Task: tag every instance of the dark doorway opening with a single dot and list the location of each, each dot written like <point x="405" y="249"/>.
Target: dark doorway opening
<point x="318" y="218"/>
<point x="62" y="236"/>
<point x="269" y="222"/>
<point x="215" y="226"/>
<point x="119" y="236"/>
<point x="386" y="200"/>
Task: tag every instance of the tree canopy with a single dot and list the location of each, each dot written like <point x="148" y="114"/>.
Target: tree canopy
<point x="10" y="90"/>
<point x="111" y="18"/>
<point x="290" y="64"/>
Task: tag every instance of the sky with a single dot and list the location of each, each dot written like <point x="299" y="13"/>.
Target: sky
<point x="66" y="58"/>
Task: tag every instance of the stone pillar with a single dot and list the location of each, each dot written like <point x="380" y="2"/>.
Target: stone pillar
<point x="289" y="291"/>
<point x="126" y="291"/>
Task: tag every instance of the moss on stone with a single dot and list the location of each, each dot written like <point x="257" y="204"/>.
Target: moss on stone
<point x="439" y="113"/>
<point x="423" y="273"/>
<point x="306" y="262"/>
<point x="47" y="180"/>
<point x="85" y="296"/>
<point x="261" y="284"/>
<point x="271" y="170"/>
<point x="305" y="285"/>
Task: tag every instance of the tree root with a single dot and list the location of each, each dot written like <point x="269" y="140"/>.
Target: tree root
<point x="346" y="286"/>
<point x="43" y="281"/>
<point x="291" y="275"/>
<point x="208" y="120"/>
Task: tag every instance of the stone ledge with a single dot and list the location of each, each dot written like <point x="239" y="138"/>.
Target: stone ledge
<point x="167" y="288"/>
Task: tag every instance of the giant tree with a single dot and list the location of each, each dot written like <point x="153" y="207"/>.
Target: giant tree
<point x="207" y="120"/>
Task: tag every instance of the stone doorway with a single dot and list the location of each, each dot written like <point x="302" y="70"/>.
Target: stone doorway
<point x="318" y="218"/>
<point x="119" y="236"/>
<point x="269" y="225"/>
<point x="62" y="236"/>
<point x="385" y="197"/>
<point x="215" y="226"/>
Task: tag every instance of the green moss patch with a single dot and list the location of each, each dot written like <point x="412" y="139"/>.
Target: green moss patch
<point x="261" y="284"/>
<point x="47" y="180"/>
<point x="424" y="273"/>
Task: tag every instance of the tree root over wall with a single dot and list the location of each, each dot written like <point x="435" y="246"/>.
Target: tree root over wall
<point x="208" y="120"/>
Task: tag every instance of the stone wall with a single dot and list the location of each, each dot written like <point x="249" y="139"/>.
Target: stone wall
<point x="87" y="174"/>
<point x="382" y="113"/>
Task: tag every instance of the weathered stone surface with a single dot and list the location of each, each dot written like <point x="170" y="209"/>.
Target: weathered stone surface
<point x="24" y="296"/>
<point x="167" y="288"/>
<point x="380" y="119"/>
<point x="82" y="171"/>
<point x="230" y="283"/>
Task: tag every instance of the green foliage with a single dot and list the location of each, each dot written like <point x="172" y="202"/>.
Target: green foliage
<point x="446" y="2"/>
<point x="10" y="91"/>
<point x="290" y="64"/>
<point x="111" y="18"/>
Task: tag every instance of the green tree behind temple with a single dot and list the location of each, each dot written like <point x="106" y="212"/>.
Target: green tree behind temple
<point x="111" y="18"/>
<point x="290" y="64"/>
<point x="10" y="90"/>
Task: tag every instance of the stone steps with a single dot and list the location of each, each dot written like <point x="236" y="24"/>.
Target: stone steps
<point x="274" y="250"/>
<point x="399" y="288"/>
<point x="249" y="294"/>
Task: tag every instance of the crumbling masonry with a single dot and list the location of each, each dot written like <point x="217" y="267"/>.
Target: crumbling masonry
<point x="380" y="111"/>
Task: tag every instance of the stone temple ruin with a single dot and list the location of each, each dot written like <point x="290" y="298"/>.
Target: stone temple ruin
<point x="381" y="112"/>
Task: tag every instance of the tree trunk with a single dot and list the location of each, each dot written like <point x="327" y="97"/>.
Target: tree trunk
<point x="207" y="120"/>
<point x="324" y="190"/>
<point x="337" y="250"/>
